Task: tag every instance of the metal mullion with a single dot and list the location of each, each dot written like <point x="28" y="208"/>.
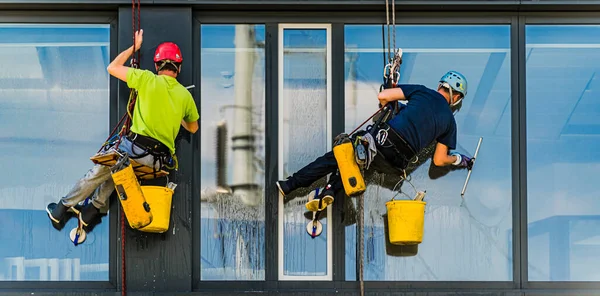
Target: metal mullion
<point x="114" y="254"/>
<point x="431" y="285"/>
<point x="516" y="44"/>
<point x="564" y="286"/>
<point x="271" y="152"/>
<point x="562" y="17"/>
<point x="521" y="147"/>
<point x="30" y="286"/>
<point x="350" y="18"/>
<point x="196" y="157"/>
<point x="58" y="17"/>
<point x="338" y="117"/>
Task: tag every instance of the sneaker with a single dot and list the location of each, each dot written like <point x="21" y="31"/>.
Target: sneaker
<point x="321" y="201"/>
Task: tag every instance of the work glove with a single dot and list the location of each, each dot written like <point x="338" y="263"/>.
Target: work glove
<point x="462" y="160"/>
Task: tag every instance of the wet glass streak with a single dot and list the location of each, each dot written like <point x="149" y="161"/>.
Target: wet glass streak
<point x="304" y="127"/>
<point x="232" y="109"/>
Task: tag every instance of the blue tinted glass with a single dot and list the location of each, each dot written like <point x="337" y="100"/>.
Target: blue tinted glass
<point x="54" y="99"/>
<point x="304" y="132"/>
<point x="563" y="136"/>
<point x="464" y="239"/>
<point x="232" y="152"/>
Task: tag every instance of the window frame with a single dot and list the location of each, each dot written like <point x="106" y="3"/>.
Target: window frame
<point x="337" y="22"/>
<point x="280" y="82"/>
<point x="77" y="18"/>
<point x="479" y="19"/>
<point x="483" y="15"/>
<point x="536" y="18"/>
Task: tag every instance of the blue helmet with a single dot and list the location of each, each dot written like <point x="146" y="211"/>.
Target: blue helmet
<point x="456" y="81"/>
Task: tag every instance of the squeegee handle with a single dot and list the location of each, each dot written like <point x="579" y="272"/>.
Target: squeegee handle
<point x="462" y="193"/>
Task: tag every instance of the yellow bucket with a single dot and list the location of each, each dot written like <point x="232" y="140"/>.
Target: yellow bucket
<point x="159" y="198"/>
<point x="406" y="219"/>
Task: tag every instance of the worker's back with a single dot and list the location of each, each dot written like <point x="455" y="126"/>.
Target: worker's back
<point x="161" y="104"/>
<point x="427" y="117"/>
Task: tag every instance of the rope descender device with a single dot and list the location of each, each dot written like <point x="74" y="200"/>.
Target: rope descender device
<point x="391" y="71"/>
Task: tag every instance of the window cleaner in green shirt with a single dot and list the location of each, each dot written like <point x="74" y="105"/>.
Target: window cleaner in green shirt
<point x="163" y="105"/>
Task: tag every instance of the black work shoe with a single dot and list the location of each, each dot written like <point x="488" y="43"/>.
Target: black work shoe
<point x="89" y="215"/>
<point x="283" y="187"/>
<point x="58" y="214"/>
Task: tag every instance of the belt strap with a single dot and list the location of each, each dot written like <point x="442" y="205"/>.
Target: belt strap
<point x="148" y="143"/>
<point x="395" y="149"/>
<point x="400" y="143"/>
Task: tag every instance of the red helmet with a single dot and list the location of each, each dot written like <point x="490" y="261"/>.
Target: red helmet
<point x="168" y="51"/>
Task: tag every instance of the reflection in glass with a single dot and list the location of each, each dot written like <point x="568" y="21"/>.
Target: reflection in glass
<point x="304" y="137"/>
<point x="464" y="240"/>
<point x="563" y="136"/>
<point x="54" y="98"/>
<point x="232" y="152"/>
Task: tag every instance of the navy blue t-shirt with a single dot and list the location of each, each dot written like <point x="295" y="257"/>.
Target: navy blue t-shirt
<point x="425" y="118"/>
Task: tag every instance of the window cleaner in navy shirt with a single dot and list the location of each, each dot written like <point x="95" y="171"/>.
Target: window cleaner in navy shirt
<point x="426" y="117"/>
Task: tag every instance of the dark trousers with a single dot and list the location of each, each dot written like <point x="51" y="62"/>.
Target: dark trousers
<point x="319" y="168"/>
<point x="326" y="164"/>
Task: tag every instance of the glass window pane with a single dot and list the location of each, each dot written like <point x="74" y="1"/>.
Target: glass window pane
<point x="563" y="136"/>
<point x="464" y="239"/>
<point x="304" y="136"/>
<point x="54" y="99"/>
<point x="232" y="152"/>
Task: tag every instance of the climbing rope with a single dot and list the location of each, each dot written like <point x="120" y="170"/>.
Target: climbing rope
<point x="391" y="76"/>
<point x="125" y="129"/>
<point x="393" y="58"/>
<point x="361" y="242"/>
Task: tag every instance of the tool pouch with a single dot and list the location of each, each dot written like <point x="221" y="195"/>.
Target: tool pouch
<point x="130" y="195"/>
<point x="361" y="155"/>
<point x="350" y="173"/>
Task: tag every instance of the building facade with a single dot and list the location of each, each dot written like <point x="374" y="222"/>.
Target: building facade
<point x="274" y="83"/>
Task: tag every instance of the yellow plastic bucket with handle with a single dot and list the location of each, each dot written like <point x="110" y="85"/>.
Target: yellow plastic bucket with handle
<point x="406" y="221"/>
<point x="159" y="198"/>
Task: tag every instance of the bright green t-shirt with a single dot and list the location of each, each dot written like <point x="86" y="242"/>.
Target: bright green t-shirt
<point x="161" y="104"/>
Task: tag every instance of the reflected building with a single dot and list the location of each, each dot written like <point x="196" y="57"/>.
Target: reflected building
<point x="48" y="269"/>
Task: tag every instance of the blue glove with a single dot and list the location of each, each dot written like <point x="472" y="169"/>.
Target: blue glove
<point x="462" y="160"/>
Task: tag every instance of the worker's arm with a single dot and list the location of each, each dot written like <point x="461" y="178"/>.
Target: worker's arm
<point x="401" y="92"/>
<point x="442" y="158"/>
<point x="190" y="120"/>
<point x="391" y="95"/>
<point x="116" y="68"/>
<point x="191" y="127"/>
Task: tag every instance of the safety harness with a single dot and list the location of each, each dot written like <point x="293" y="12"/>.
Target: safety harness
<point x="159" y="151"/>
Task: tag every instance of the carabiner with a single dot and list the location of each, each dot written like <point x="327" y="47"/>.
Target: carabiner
<point x="382" y="135"/>
<point x="386" y="70"/>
